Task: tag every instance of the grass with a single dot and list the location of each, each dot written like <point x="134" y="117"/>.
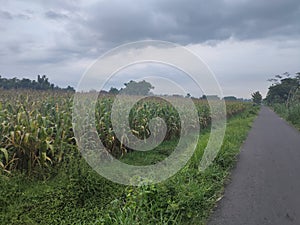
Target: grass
<point x="77" y="195"/>
<point x="291" y="114"/>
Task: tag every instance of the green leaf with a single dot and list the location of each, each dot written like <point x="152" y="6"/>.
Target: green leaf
<point x="4" y="151"/>
<point x="45" y="157"/>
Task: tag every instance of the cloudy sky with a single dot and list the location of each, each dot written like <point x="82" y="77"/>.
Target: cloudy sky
<point x="244" y="42"/>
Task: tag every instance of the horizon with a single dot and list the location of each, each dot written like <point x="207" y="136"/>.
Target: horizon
<point x="107" y="88"/>
<point x="244" y="43"/>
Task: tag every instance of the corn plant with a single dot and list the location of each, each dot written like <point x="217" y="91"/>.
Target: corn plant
<point x="36" y="126"/>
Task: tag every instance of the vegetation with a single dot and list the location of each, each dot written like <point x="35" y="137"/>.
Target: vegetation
<point x="284" y="97"/>
<point x="137" y="88"/>
<point x="257" y="97"/>
<point x="35" y="130"/>
<point x="113" y="91"/>
<point x="42" y="83"/>
<point x="44" y="180"/>
<point x="282" y="88"/>
<point x="230" y="98"/>
<point x="36" y="127"/>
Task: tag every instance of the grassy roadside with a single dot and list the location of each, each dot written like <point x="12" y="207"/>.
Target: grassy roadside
<point x="79" y="196"/>
<point x="291" y="115"/>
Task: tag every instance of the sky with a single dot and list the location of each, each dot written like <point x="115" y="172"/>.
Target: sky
<point x="244" y="42"/>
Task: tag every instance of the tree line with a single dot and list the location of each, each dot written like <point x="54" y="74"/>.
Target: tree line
<point x="133" y="88"/>
<point x="41" y="83"/>
<point x="283" y="88"/>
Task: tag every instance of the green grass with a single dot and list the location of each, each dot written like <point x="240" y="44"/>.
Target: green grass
<point x="150" y="157"/>
<point x="77" y="195"/>
<point x="291" y="114"/>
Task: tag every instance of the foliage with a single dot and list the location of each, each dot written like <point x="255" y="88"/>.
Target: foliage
<point x="284" y="97"/>
<point x="230" y="98"/>
<point x="80" y="196"/>
<point x="36" y="137"/>
<point x="36" y="131"/>
<point x="137" y="88"/>
<point x="290" y="110"/>
<point x="257" y="97"/>
<point x="280" y="91"/>
<point x="42" y="83"/>
<point x="113" y="91"/>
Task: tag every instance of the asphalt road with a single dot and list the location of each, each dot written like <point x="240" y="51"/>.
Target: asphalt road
<point x="265" y="184"/>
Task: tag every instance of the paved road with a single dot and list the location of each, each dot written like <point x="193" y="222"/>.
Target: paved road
<point x="265" y="184"/>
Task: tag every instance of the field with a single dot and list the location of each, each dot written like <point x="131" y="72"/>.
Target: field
<point x="45" y="180"/>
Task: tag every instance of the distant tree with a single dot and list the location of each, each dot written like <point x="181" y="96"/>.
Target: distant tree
<point x="212" y="97"/>
<point x="113" y="91"/>
<point x="203" y="97"/>
<point x="298" y="76"/>
<point x="102" y="92"/>
<point x="177" y="96"/>
<point x="230" y="98"/>
<point x="256" y="97"/>
<point x="42" y="83"/>
<point x="69" y="88"/>
<point x="280" y="91"/>
<point x="25" y="83"/>
<point x="188" y="95"/>
<point x="137" y="88"/>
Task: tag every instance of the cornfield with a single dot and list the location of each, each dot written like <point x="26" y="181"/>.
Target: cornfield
<point x="36" y="131"/>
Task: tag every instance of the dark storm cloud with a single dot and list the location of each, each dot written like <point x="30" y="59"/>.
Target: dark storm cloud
<point x="74" y="27"/>
<point x="193" y="21"/>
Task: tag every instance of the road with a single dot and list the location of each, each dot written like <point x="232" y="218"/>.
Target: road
<point x="264" y="187"/>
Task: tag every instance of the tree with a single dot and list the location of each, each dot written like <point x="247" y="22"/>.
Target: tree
<point x="137" y="88"/>
<point x="42" y="83"/>
<point x="113" y="91"/>
<point x="188" y="95"/>
<point x="280" y="91"/>
<point x="69" y="88"/>
<point x="256" y="97"/>
<point x="298" y="76"/>
<point x="230" y="98"/>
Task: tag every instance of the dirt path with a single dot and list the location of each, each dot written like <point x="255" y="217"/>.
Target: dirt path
<point x="265" y="185"/>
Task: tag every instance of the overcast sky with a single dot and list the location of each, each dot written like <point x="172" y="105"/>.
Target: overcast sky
<point x="244" y="42"/>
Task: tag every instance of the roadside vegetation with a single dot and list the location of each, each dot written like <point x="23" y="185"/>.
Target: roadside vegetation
<point x="44" y="180"/>
<point x="257" y="97"/>
<point x="284" y="97"/>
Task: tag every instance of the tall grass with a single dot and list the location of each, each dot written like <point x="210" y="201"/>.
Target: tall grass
<point x="83" y="197"/>
<point x="291" y="113"/>
<point x="37" y="139"/>
<point x="36" y="133"/>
